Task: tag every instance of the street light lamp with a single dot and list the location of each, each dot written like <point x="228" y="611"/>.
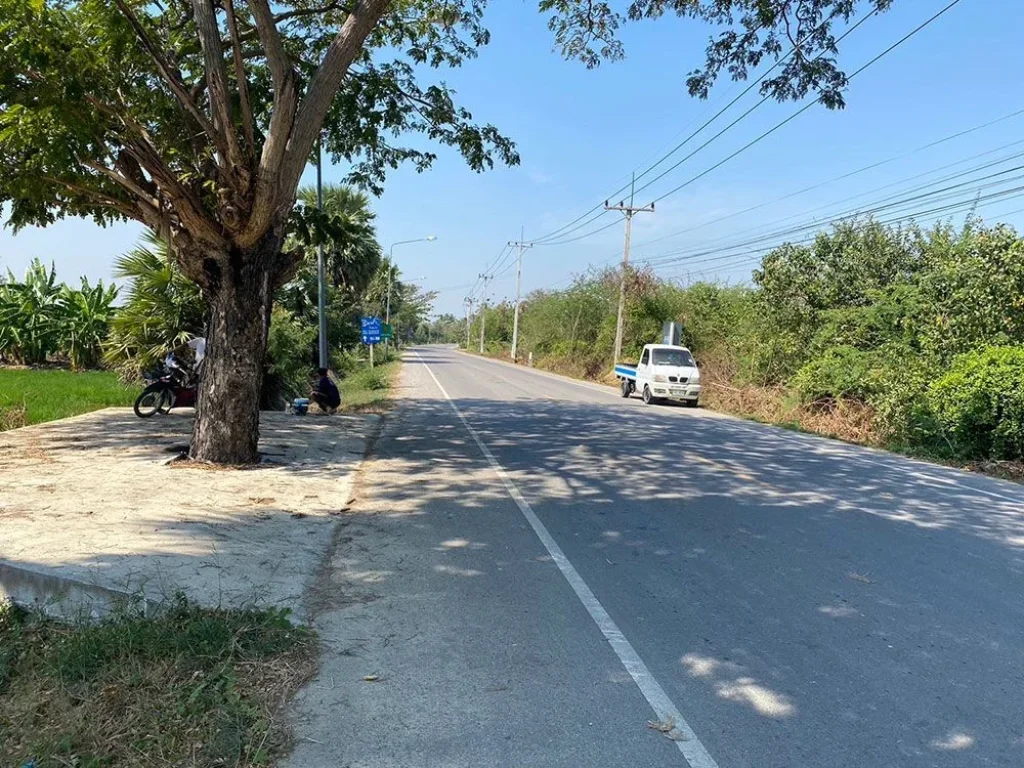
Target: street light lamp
<point x="391" y="272"/>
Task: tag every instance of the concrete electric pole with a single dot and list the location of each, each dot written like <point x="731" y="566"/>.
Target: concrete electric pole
<point x="469" y="312"/>
<point x="628" y="211"/>
<point x="483" y="309"/>
<point x="519" y="283"/>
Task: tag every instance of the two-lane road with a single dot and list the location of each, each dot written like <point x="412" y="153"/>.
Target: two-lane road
<point x="572" y="565"/>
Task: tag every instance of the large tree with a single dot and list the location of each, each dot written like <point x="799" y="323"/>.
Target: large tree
<point x="197" y="118"/>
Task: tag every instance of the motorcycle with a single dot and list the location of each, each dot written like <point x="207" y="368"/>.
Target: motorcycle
<point x="169" y="386"/>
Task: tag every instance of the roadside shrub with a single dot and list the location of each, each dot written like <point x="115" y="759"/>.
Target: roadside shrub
<point x="903" y="416"/>
<point x="288" y="366"/>
<point x="840" y="372"/>
<point x="979" y="403"/>
<point x="377" y="379"/>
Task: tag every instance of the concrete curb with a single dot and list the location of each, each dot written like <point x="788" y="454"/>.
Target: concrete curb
<point x="63" y="597"/>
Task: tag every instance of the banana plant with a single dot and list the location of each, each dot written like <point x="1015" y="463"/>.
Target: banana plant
<point x="30" y="315"/>
<point x="86" y="314"/>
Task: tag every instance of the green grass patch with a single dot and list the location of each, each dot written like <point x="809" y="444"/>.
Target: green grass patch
<point x="193" y="686"/>
<point x="32" y="396"/>
<point x="369" y="391"/>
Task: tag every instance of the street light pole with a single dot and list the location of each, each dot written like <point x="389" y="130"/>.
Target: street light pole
<point x="391" y="271"/>
<point x="320" y="270"/>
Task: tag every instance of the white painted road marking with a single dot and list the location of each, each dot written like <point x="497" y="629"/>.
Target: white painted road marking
<point x="693" y="751"/>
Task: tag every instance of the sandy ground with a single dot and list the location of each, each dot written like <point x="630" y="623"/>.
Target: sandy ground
<point x="97" y="499"/>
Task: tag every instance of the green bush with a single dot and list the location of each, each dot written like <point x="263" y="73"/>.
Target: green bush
<point x="903" y="417"/>
<point x="289" y="365"/>
<point x="979" y="403"/>
<point x="839" y="372"/>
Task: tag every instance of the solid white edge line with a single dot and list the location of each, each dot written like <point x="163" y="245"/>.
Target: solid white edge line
<point x="691" y="747"/>
<point x="863" y="453"/>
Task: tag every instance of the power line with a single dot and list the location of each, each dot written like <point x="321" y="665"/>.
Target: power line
<point x="487" y="271"/>
<point x="861" y="211"/>
<point x="850" y="174"/>
<point x="734" y="260"/>
<point x="722" y="255"/>
<point x="934" y="196"/>
<point x="714" y="117"/>
<point x="803" y="109"/>
<point x="764" y="135"/>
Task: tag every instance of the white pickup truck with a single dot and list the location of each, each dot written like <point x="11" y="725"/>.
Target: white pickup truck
<point x="664" y="372"/>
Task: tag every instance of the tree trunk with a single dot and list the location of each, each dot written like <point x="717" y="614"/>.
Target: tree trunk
<point x="239" y="293"/>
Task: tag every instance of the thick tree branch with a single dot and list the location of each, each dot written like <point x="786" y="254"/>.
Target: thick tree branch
<point x="140" y="193"/>
<point x="323" y="88"/>
<point x="216" y="78"/>
<point x="97" y="198"/>
<point x="169" y="75"/>
<point x="296" y="13"/>
<point x="243" y="86"/>
<point x="277" y="58"/>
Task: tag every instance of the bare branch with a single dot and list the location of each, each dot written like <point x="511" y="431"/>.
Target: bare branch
<point x="243" y="86"/>
<point x="324" y="86"/>
<point x="282" y="121"/>
<point x="97" y="198"/>
<point x="169" y="75"/>
<point x="300" y="12"/>
<point x="277" y="58"/>
<point x="124" y="181"/>
<point x="216" y="77"/>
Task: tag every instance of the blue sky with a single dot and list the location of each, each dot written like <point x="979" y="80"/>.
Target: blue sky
<point x="580" y="133"/>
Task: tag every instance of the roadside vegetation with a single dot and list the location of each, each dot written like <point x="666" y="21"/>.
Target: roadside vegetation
<point x="192" y="686"/>
<point x="41" y="319"/>
<point x="368" y="391"/>
<point x="902" y="337"/>
<point x="47" y="326"/>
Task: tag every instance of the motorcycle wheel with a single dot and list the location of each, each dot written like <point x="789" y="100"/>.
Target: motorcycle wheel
<point x="150" y="402"/>
<point x="168" y="402"/>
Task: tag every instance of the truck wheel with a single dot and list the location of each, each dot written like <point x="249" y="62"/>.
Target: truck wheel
<point x="648" y="398"/>
<point x="627" y="388"/>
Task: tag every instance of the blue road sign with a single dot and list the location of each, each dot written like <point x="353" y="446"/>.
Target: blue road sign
<point x="371" y="330"/>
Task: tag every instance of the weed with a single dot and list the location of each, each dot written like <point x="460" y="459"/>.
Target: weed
<point x="191" y="686"/>
<point x="366" y="390"/>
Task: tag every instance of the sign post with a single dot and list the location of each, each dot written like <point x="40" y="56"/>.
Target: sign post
<point x="371" y="333"/>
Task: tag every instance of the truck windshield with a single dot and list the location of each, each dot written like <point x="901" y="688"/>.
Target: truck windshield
<point x="677" y="357"/>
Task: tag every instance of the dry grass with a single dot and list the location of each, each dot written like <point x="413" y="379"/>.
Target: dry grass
<point x="847" y="420"/>
<point x="13" y="417"/>
<point x="192" y="687"/>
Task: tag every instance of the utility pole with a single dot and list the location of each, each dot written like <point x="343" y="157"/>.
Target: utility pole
<point x="628" y="211"/>
<point x="519" y="281"/>
<point x="469" y="311"/>
<point x="483" y="310"/>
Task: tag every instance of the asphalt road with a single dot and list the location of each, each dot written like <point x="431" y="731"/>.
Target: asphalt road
<point x="537" y="568"/>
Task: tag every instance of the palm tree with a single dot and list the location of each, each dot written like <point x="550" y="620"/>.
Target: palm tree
<point x="353" y="255"/>
<point x="162" y="310"/>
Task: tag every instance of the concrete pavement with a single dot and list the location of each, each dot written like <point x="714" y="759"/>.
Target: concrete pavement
<point x="795" y="601"/>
